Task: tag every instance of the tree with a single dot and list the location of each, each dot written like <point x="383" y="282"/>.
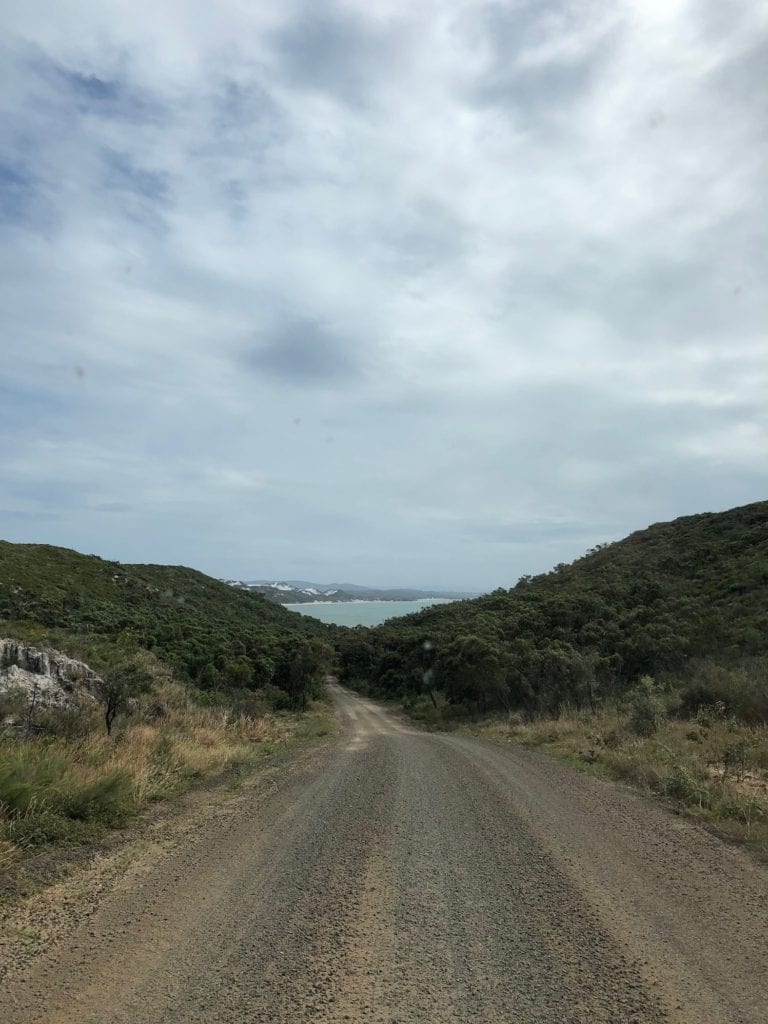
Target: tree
<point x="237" y="673"/>
<point x="472" y="670"/>
<point x="120" y="684"/>
<point x="564" y="676"/>
<point x="357" y="659"/>
<point x="263" y="670"/>
<point x="308" y="663"/>
<point x="645" y="708"/>
<point x="209" y="677"/>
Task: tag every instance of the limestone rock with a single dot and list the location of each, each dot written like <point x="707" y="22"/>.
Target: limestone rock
<point x="49" y="678"/>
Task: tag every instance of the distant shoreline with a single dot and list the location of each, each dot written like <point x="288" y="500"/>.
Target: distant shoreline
<point x="370" y="600"/>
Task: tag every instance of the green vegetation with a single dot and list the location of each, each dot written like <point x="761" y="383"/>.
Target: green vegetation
<point x="658" y="604"/>
<point x="70" y="780"/>
<point x="195" y="676"/>
<point x="646" y="659"/>
<point x="211" y="634"/>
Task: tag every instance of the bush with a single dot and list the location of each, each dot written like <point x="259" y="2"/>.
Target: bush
<point x="255" y="703"/>
<point x="74" y="720"/>
<point x="685" y="786"/>
<point x="741" y="690"/>
<point x="737" y="758"/>
<point x="708" y="715"/>
<point x="747" y="809"/>
<point x="13" y="705"/>
<point x="276" y="698"/>
<point x="645" y="710"/>
<point x="633" y="768"/>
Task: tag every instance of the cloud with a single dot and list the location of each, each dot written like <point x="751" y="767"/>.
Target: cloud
<point x="91" y="88"/>
<point x="17" y="192"/>
<point x="122" y="174"/>
<point x="303" y="351"/>
<point x="335" y="51"/>
<point x="543" y="59"/>
<point x="408" y="294"/>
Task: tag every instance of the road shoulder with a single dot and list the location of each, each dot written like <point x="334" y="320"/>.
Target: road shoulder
<point x="50" y="895"/>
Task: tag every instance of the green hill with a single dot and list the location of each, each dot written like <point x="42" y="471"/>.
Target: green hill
<point x="210" y="633"/>
<point x="657" y="603"/>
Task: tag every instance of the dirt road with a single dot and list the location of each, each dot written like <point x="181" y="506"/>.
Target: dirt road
<point x="405" y="877"/>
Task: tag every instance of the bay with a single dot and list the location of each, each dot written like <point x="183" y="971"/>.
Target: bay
<point x="362" y="613"/>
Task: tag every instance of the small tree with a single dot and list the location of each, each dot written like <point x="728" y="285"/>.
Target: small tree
<point x="645" y="710"/>
<point x="120" y="684"/>
<point x="209" y="678"/>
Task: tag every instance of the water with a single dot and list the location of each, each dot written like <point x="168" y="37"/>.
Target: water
<point x="362" y="613"/>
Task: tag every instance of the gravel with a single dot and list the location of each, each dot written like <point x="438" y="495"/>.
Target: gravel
<point x="395" y="876"/>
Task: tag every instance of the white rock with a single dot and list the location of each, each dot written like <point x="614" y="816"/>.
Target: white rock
<point x="49" y="678"/>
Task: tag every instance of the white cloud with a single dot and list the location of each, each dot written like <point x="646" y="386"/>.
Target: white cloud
<point x="318" y="268"/>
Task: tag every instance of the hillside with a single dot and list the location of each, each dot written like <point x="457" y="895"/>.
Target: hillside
<point x="211" y="633"/>
<point x="97" y="715"/>
<point x="653" y="604"/>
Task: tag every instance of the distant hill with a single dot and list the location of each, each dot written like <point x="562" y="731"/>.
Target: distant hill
<point x="202" y="627"/>
<point x="304" y="592"/>
<point x="653" y="603"/>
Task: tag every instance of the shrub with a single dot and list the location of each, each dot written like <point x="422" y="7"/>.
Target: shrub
<point x="645" y="710"/>
<point x="708" y="714"/>
<point x="74" y="720"/>
<point x="740" y="690"/>
<point x="633" y="768"/>
<point x="612" y="739"/>
<point x="744" y="808"/>
<point x="737" y="758"/>
<point x="684" y="786"/>
<point x="13" y="705"/>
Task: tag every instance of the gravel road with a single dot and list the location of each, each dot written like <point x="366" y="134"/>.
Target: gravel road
<point x="398" y="876"/>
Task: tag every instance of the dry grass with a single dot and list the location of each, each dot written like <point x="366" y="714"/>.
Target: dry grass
<point x="56" y="788"/>
<point x="716" y="771"/>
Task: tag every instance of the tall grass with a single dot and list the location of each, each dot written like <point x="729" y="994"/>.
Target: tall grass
<point x="712" y="768"/>
<point x="703" y="748"/>
<point x="68" y="788"/>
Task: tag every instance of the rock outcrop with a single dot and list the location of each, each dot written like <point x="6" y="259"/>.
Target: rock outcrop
<point x="49" y="678"/>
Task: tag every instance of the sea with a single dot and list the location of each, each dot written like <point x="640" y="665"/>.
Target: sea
<point x="362" y="613"/>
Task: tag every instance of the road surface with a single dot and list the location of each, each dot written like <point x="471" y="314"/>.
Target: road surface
<point x="399" y="876"/>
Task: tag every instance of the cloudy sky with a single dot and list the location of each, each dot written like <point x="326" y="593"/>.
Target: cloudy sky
<point x="430" y="293"/>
